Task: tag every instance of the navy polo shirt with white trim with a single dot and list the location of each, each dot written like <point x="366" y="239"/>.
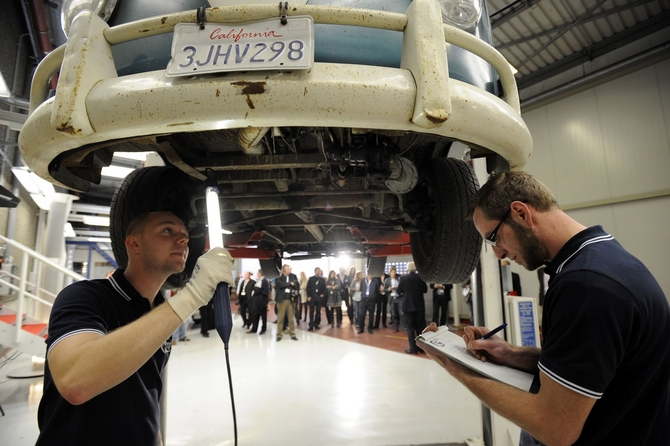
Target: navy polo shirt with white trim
<point x="125" y="414"/>
<point x="606" y="335"/>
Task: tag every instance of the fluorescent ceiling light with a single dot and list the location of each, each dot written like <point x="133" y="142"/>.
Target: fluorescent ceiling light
<point x="41" y="191"/>
<point x="138" y="156"/>
<point x="90" y="208"/>
<point x="94" y="220"/>
<point x="4" y="91"/>
<point x="213" y="217"/>
<point x="69" y="230"/>
<point x="99" y="240"/>
<point x="116" y="171"/>
<point x="31" y="182"/>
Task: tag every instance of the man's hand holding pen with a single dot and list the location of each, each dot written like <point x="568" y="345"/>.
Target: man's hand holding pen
<point x="484" y="348"/>
<point x="493" y="349"/>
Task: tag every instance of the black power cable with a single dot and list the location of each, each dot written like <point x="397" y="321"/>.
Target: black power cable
<point x="223" y="321"/>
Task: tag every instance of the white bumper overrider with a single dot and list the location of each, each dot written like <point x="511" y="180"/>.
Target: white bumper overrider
<point x="93" y="105"/>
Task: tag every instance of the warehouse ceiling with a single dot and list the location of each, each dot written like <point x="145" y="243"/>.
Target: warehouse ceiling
<point x="542" y="38"/>
<point x="557" y="46"/>
<point x="562" y="46"/>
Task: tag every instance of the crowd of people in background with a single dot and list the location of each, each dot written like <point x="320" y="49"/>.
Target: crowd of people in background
<point x="368" y="302"/>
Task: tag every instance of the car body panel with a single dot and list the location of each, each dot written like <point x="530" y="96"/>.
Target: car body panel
<point x="307" y="160"/>
<point x="504" y="131"/>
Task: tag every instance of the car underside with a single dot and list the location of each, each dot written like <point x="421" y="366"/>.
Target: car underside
<point x="368" y="160"/>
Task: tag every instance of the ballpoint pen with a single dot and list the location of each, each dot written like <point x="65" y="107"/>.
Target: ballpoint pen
<point x="492" y="332"/>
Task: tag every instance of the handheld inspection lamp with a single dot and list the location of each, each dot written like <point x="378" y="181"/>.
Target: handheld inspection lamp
<point x="223" y="318"/>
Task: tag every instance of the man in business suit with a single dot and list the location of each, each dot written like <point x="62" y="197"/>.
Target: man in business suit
<point x="369" y="294"/>
<point x="316" y="295"/>
<point x="441" y="298"/>
<point x="244" y="290"/>
<point x="346" y="283"/>
<point x="382" y="304"/>
<point x="391" y="288"/>
<point x="258" y="304"/>
<point x="412" y="288"/>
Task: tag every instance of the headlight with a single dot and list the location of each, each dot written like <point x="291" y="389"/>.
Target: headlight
<point x="463" y="14"/>
<point x="71" y="8"/>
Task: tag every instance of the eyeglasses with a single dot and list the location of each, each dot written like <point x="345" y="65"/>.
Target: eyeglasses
<point x="491" y="239"/>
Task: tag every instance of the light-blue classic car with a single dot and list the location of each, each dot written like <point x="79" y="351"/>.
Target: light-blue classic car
<point x="327" y="126"/>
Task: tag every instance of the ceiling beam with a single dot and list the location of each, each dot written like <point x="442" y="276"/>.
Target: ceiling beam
<point x="606" y="74"/>
<point x="599" y="49"/>
<point x="562" y="28"/>
<point x="507" y="12"/>
<point x="12" y="120"/>
<point x="554" y="38"/>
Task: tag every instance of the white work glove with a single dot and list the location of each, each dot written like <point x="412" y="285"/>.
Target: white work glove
<point x="212" y="268"/>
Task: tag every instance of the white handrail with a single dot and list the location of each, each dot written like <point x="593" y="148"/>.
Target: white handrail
<point x="29" y="285"/>
<point x="29" y="294"/>
<point x="23" y="280"/>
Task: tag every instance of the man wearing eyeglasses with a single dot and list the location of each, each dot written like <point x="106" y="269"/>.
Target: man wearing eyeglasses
<point x="604" y="366"/>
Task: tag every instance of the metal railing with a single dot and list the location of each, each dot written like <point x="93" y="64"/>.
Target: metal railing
<point x="24" y="286"/>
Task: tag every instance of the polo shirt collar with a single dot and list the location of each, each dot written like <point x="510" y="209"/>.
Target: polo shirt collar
<point x="594" y="234"/>
<point x="126" y="290"/>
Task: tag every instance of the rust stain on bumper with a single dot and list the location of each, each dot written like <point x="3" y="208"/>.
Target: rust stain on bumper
<point x="68" y="128"/>
<point x="251" y="87"/>
<point x="435" y="119"/>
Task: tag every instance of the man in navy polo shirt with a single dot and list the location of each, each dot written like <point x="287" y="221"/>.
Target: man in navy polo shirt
<point x="604" y="366"/>
<point x="108" y="339"/>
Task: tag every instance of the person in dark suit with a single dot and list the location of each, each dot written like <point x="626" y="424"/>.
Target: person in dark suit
<point x="334" y="300"/>
<point x="441" y="298"/>
<point x="382" y="304"/>
<point x="412" y="288"/>
<point x="391" y="288"/>
<point x="207" y="318"/>
<point x="316" y="296"/>
<point x="258" y="304"/>
<point x="369" y="294"/>
<point x="244" y="289"/>
<point x="346" y="280"/>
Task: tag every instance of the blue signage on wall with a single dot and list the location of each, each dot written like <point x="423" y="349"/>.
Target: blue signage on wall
<point x="527" y="324"/>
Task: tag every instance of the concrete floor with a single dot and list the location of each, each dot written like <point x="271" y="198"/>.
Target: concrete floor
<point x="320" y="390"/>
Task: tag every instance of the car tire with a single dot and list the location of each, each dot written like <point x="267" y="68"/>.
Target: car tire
<point x="153" y="189"/>
<point x="271" y="267"/>
<point x="446" y="248"/>
<point x="376" y="266"/>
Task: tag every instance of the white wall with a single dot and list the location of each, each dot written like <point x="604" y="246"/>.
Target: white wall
<point x="307" y="266"/>
<point x="605" y="154"/>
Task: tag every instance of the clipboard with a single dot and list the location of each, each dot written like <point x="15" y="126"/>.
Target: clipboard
<point x="450" y="344"/>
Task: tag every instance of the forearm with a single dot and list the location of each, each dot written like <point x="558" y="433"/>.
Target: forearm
<point x="547" y="418"/>
<point x="497" y="350"/>
<point x="84" y="367"/>
<point x="509" y="402"/>
<point x="524" y="358"/>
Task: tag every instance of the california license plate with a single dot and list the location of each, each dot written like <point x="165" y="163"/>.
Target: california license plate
<point x="262" y="45"/>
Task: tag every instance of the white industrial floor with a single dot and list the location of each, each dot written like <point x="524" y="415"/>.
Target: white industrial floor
<point x="317" y="391"/>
